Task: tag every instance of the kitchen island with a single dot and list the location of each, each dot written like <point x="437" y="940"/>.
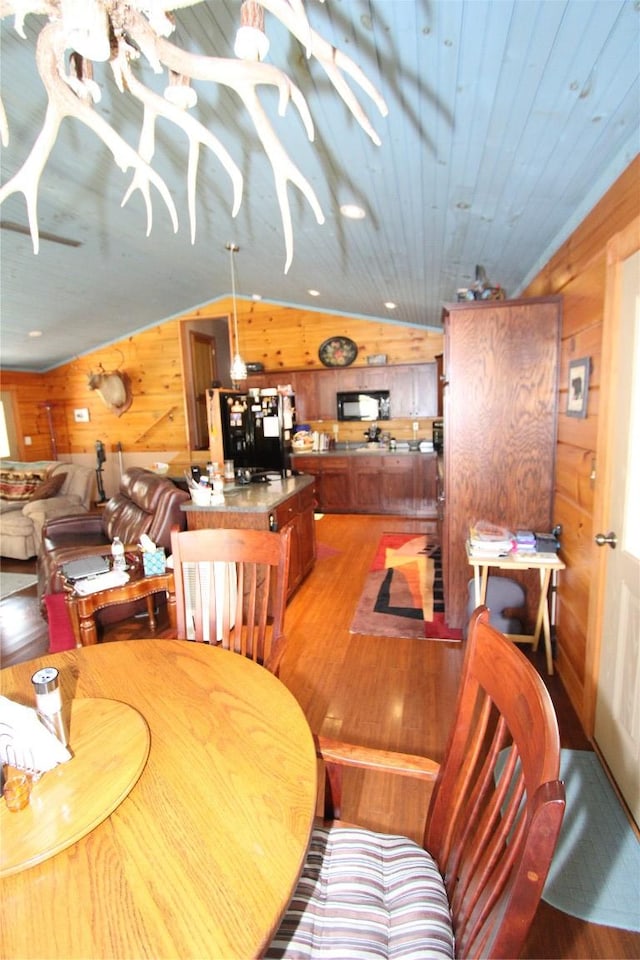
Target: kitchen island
<point x="267" y="506"/>
<point x="372" y="479"/>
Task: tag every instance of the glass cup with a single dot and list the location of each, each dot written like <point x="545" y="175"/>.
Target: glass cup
<point x="17" y="790"/>
<point x="229" y="473"/>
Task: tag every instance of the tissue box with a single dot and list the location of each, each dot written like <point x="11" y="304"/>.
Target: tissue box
<point x="154" y="562"/>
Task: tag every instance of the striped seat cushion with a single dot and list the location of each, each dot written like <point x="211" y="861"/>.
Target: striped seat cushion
<point x="364" y="895"/>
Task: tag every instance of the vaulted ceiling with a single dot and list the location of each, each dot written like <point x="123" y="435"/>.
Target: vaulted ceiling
<point x="507" y="121"/>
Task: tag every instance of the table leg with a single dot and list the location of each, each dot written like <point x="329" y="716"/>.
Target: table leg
<point x="171" y="608"/>
<point x="151" y="612"/>
<point x="72" y="610"/>
<point x="482" y="597"/>
<point x="542" y="620"/>
<point x="88" y="632"/>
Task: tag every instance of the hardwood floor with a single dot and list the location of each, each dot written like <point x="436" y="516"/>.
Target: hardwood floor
<point x="397" y="694"/>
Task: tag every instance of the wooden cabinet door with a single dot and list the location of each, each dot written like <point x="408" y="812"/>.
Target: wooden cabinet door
<point x="414" y="390"/>
<point x="305" y="388"/>
<point x="363" y="378"/>
<point x="397" y="480"/>
<point x="297" y="513"/>
<point x="366" y="488"/>
<point x="334" y="494"/>
<point x="401" y="389"/>
<point x="424" y="383"/>
<point x="426" y="492"/>
<point x="325" y="398"/>
<point x="307" y="530"/>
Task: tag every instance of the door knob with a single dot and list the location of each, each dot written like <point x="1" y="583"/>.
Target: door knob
<point x="610" y="538"/>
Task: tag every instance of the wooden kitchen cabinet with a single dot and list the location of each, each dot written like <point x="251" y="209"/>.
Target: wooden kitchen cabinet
<point x="305" y="387"/>
<point x="414" y="391"/>
<point x="298" y="512"/>
<point x="334" y="495"/>
<point x="367" y="486"/>
<point x="399" y="485"/>
<point x="371" y="377"/>
<point x="500" y="420"/>
<point x="380" y="483"/>
<point x="413" y="388"/>
<point x="296" y="507"/>
<point x="332" y="476"/>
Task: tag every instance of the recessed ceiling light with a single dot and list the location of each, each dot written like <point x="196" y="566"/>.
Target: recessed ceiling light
<point x="35" y="333"/>
<point x="352" y="211"/>
<point x="390" y="305"/>
<point x="313" y="293"/>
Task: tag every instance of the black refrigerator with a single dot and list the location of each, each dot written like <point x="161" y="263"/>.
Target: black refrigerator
<point x="256" y="429"/>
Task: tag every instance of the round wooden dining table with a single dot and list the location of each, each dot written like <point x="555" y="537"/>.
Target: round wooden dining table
<point x="201" y="857"/>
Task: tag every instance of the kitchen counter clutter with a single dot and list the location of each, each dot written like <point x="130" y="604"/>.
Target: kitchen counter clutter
<point x="382" y="481"/>
<point x="267" y="506"/>
<point x="255" y="497"/>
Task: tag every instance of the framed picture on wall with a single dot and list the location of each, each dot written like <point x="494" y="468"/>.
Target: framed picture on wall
<point x="578" y="391"/>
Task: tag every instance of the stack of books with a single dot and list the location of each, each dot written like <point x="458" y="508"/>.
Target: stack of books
<point x="525" y="541"/>
<point x="490" y="540"/>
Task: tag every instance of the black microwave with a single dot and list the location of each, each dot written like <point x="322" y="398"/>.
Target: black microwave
<point x="364" y="405"/>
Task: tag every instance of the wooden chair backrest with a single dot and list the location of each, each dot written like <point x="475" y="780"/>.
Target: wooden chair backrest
<point x="250" y="568"/>
<point x="497" y="805"/>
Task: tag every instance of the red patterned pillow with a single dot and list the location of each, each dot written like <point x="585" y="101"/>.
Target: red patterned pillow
<point x="19" y="484"/>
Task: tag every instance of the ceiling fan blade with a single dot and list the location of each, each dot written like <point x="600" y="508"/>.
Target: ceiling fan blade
<point x="52" y="237"/>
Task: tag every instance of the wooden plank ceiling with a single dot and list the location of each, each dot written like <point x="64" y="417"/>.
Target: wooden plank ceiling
<point x="507" y="121"/>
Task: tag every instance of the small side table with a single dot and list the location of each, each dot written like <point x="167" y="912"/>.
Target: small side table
<point x="82" y="609"/>
<point x="546" y="566"/>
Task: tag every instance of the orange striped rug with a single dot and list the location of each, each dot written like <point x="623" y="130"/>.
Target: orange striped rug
<point x="403" y="594"/>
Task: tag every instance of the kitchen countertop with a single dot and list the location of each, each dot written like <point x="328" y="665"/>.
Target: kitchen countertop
<point x="255" y="497"/>
<point x="354" y="450"/>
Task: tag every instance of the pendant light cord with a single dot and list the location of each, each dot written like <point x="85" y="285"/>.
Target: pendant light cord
<point x="238" y="367"/>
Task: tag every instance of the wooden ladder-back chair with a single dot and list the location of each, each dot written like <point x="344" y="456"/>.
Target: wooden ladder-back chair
<point x="492" y="825"/>
<point x="231" y="589"/>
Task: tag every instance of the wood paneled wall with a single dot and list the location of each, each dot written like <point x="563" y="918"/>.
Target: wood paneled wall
<point x="578" y="271"/>
<point x="155" y="427"/>
<point x="287" y="338"/>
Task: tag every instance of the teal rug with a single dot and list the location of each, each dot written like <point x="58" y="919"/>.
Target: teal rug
<point x="595" y="872"/>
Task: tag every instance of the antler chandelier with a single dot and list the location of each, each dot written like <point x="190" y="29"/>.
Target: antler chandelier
<point x="124" y="32"/>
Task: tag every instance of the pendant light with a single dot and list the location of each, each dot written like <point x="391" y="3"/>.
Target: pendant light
<point x="238" y="369"/>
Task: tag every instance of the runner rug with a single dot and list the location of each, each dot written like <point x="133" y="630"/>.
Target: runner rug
<point x="403" y="594"/>
<point x="11" y="583"/>
<point x="595" y="871"/>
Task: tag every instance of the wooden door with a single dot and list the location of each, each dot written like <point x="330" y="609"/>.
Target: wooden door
<point x="617" y="720"/>
<point x="203" y="367"/>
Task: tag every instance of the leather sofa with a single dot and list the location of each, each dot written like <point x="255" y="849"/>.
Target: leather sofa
<point x="32" y="493"/>
<point x="145" y="503"/>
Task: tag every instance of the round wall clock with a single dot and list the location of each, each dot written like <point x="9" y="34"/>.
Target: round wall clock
<point x="338" y="352"/>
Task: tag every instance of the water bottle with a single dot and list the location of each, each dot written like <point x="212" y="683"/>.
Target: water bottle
<point x="117" y="552"/>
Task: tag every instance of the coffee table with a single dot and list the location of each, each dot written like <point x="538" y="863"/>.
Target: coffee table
<point x="82" y="608"/>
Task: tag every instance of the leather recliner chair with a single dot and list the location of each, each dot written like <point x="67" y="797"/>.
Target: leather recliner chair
<point x="145" y="503"/>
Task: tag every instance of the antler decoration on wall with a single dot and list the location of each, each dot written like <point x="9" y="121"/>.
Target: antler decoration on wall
<point x="123" y="31"/>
